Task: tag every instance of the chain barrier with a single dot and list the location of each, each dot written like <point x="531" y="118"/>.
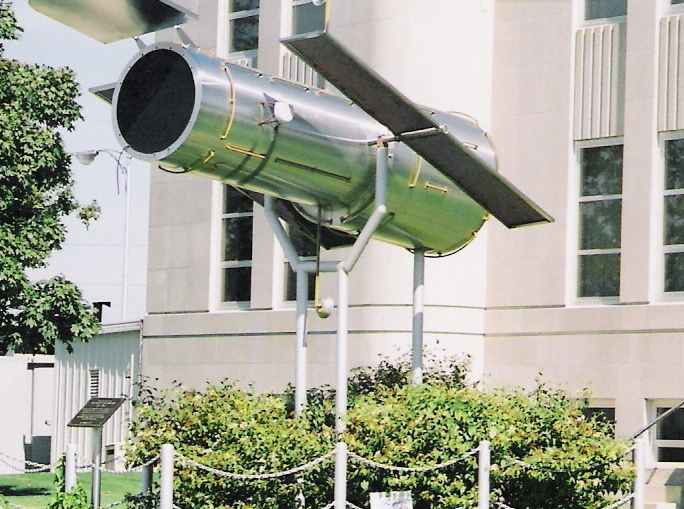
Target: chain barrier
<point x="501" y="505"/>
<point x="620" y="503"/>
<point x="38" y="467"/>
<point x="630" y="450"/>
<point x="254" y="477"/>
<point x="41" y="467"/>
<point x="375" y="464"/>
<point x="136" y="469"/>
<point x="527" y="466"/>
<point x="114" y="504"/>
<point x="347" y="503"/>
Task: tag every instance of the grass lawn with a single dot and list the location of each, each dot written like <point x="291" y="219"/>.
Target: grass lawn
<point x="35" y="491"/>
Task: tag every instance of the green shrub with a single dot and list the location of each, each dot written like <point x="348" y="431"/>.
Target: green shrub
<point x="77" y="498"/>
<point x="545" y="453"/>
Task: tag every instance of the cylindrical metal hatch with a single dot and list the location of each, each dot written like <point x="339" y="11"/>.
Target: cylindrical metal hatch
<point x="195" y="112"/>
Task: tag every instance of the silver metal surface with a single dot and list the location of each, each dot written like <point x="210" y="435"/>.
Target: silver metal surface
<point x="194" y="112"/>
<point x="384" y="102"/>
<point x="112" y="20"/>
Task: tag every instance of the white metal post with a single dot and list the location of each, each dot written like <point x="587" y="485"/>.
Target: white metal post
<point x="166" y="477"/>
<point x="97" y="461"/>
<point x="341" y="388"/>
<point x="418" y="313"/>
<point x="127" y="241"/>
<point x="483" y="467"/>
<point x="343" y="270"/>
<point x="640" y="479"/>
<point x="301" y="348"/>
<point x="70" y="468"/>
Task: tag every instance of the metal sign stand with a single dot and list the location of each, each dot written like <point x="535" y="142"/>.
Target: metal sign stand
<point x="97" y="460"/>
<point x="94" y="415"/>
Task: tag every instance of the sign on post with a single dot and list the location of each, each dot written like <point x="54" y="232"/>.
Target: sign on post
<point x="96" y="412"/>
<point x="94" y="415"/>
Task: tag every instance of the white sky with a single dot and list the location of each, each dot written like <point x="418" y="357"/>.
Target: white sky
<point x="94" y="258"/>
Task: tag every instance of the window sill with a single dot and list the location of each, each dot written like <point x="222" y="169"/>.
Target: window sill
<point x="596" y="301"/>
<point x="593" y="23"/>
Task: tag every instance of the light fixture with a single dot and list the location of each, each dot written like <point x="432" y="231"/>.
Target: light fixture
<point x="87" y="156"/>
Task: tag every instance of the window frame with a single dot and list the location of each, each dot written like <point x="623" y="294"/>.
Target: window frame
<point x="578" y="252"/>
<point x="657" y="443"/>
<point x="297" y="3"/>
<point x="663" y="193"/>
<point x="673" y="9"/>
<point x="247" y="58"/>
<point x="599" y="405"/>
<point x="289" y="273"/>
<point x="613" y="20"/>
<point x="224" y="265"/>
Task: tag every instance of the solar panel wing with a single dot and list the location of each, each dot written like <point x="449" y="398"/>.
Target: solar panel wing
<point x="113" y="20"/>
<point x="390" y="107"/>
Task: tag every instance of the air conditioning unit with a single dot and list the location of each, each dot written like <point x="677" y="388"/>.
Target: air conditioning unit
<point x="114" y="457"/>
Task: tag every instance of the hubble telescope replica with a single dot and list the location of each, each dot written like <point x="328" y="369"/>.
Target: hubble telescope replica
<point x="343" y="169"/>
<point x="191" y="112"/>
<point x="313" y="151"/>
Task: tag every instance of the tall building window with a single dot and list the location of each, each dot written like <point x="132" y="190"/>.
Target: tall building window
<point x="244" y="31"/>
<point x="236" y="266"/>
<point x="602" y="414"/>
<point x="600" y="215"/>
<point x="599" y="9"/>
<point x="673" y="216"/>
<point x="306" y="249"/>
<point x="307" y="16"/>
<point x="669" y="440"/>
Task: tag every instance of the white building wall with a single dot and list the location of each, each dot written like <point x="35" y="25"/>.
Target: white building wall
<point x="26" y="404"/>
<point x="115" y="352"/>
<point x="558" y="79"/>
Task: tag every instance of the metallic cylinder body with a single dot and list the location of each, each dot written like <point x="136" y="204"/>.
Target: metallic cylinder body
<point x="194" y="112"/>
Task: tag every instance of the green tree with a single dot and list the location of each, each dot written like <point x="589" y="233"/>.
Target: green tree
<point x="545" y="452"/>
<point x="36" y="103"/>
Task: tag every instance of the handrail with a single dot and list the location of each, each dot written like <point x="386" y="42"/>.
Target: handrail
<point x="657" y="420"/>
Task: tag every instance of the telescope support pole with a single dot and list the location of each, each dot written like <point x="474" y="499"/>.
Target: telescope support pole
<point x="302" y="271"/>
<point x="301" y="349"/>
<point x="418" y="313"/>
<point x="343" y="270"/>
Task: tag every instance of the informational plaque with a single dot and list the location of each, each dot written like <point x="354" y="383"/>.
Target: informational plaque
<point x="391" y="500"/>
<point x="96" y="412"/>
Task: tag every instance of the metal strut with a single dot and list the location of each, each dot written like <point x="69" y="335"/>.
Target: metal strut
<point x="343" y="268"/>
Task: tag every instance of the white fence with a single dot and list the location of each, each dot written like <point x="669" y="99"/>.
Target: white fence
<point x="169" y="456"/>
